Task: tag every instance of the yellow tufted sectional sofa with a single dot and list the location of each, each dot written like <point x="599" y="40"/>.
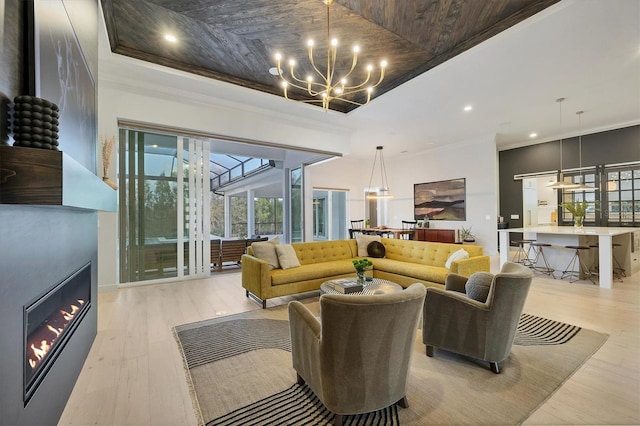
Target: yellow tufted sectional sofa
<point x="405" y="262"/>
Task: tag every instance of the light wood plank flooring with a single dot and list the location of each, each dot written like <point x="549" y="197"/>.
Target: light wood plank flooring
<point x="134" y="373"/>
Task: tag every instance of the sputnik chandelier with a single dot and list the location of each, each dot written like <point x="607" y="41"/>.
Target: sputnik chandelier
<point x="333" y="85"/>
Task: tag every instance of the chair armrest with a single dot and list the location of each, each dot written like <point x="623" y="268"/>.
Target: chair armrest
<point x="454" y="322"/>
<point x="305" y="332"/>
<point x="468" y="266"/>
<point x="455" y="282"/>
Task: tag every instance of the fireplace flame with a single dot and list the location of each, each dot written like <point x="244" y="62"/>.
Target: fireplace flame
<point x="69" y="316"/>
<point x="38" y="353"/>
<point x="56" y="331"/>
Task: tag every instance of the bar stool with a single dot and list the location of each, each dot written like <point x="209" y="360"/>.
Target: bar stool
<point x="546" y="269"/>
<point x="618" y="270"/>
<point x="523" y="256"/>
<point x="570" y="271"/>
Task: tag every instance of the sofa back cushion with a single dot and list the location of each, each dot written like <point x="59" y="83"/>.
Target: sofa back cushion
<point x="427" y="253"/>
<point x="325" y="251"/>
<point x="404" y="250"/>
<point x="438" y="253"/>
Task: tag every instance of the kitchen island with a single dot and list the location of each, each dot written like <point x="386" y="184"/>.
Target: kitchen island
<point x="560" y="236"/>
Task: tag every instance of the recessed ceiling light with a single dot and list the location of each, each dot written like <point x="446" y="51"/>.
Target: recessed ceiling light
<point x="468" y="108"/>
<point x="170" y="38"/>
<point x="273" y="71"/>
<point x="533" y="135"/>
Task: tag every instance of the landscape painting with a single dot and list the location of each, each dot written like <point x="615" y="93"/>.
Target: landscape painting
<point x="443" y="200"/>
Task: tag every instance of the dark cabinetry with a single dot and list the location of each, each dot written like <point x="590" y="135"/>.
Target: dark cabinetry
<point x="436" y="235"/>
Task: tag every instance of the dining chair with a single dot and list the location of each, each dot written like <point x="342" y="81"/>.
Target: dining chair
<point x="408" y="225"/>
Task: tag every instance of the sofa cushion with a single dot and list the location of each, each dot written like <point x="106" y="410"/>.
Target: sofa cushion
<point x="266" y="250"/>
<point x="478" y="285"/>
<point x="376" y="249"/>
<point x="456" y="255"/>
<point x="287" y="256"/>
<point x="363" y="241"/>
<point x="435" y="274"/>
<point x="324" y="271"/>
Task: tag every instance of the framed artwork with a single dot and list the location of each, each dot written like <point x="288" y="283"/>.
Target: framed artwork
<point x="442" y="200"/>
<point x="59" y="73"/>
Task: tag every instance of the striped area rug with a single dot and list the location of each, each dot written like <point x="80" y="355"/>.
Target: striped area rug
<point x="534" y="330"/>
<point x="239" y="371"/>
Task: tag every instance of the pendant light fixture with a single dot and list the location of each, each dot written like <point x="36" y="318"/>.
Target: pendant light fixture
<point x="383" y="190"/>
<point x="581" y="185"/>
<point x="561" y="184"/>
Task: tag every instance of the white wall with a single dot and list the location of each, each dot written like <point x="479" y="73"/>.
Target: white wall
<point x="476" y="161"/>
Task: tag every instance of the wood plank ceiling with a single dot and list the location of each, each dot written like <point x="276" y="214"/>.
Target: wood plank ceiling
<point x="235" y="40"/>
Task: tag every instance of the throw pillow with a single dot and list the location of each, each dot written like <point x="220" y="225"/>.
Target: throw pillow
<point x="376" y="249"/>
<point x="287" y="256"/>
<point x="266" y="250"/>
<point x="363" y="241"/>
<point x="456" y="255"/>
<point x="478" y="285"/>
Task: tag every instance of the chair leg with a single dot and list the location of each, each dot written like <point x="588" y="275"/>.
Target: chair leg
<point x="299" y="379"/>
<point x="404" y="403"/>
<point x="494" y="367"/>
<point x="337" y="420"/>
<point x="430" y="350"/>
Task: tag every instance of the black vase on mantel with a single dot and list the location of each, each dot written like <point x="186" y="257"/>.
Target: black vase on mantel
<point x="35" y="122"/>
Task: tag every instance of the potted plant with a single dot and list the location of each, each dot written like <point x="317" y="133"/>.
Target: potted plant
<point x="578" y="209"/>
<point x="466" y="235"/>
<point x="361" y="265"/>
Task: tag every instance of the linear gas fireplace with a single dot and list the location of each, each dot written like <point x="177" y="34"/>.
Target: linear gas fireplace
<point x="49" y="322"/>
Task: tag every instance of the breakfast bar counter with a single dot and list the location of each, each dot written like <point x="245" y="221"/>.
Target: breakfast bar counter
<point x="559" y="236"/>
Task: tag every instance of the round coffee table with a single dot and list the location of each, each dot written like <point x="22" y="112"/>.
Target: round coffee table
<point x="377" y="286"/>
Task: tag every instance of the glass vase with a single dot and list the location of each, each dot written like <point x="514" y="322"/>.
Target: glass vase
<point x="578" y="222"/>
<point x="360" y="275"/>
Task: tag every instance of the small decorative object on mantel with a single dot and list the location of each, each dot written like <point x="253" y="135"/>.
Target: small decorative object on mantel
<point x="107" y="150"/>
<point x="361" y="266"/>
<point x="35" y="122"/>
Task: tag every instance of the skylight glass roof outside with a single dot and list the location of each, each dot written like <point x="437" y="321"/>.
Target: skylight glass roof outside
<point x="224" y="168"/>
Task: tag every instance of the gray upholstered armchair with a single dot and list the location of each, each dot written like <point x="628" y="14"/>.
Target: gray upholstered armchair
<point x="481" y="330"/>
<point x="355" y="357"/>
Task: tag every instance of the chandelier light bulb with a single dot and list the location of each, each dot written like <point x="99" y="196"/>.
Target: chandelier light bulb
<point x="369" y="67"/>
<point x="309" y="78"/>
<point x="343" y="81"/>
<point x="334" y="42"/>
<point x="370" y="89"/>
<point x="292" y="62"/>
<point x="338" y="90"/>
<point x="356" y="49"/>
<point x="284" y="84"/>
<point x="278" y="56"/>
<point x="383" y="64"/>
<point x="310" y="43"/>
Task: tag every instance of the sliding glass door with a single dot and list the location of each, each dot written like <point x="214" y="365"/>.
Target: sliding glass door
<point x="164" y="207"/>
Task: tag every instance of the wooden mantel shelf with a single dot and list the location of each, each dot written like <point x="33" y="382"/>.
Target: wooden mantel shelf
<point x="52" y="178"/>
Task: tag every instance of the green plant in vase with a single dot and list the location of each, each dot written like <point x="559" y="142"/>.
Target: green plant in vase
<point x="578" y="209"/>
<point x="360" y="266"/>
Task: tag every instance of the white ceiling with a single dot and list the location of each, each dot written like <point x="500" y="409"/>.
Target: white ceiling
<point x="587" y="51"/>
